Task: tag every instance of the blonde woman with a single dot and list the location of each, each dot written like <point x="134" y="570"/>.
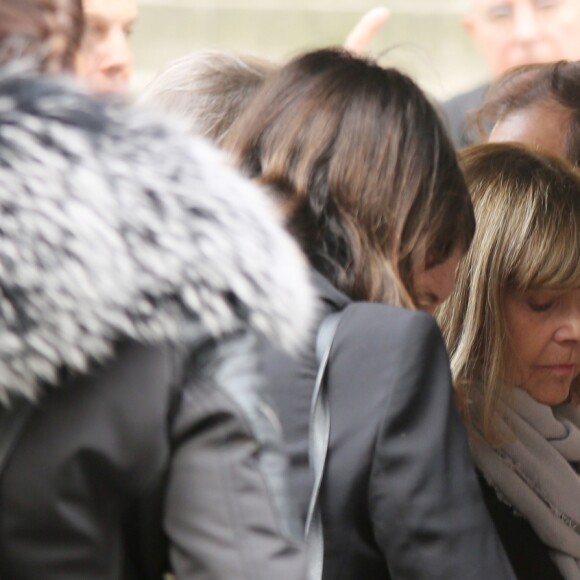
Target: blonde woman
<point x="512" y="326"/>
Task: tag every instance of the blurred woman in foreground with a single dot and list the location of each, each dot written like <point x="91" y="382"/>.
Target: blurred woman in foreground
<point x="135" y="271"/>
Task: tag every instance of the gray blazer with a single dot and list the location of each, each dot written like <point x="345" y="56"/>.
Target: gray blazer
<point x="399" y="496"/>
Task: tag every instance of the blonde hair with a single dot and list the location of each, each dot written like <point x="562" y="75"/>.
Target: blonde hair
<point x="208" y="90"/>
<point x="527" y="209"/>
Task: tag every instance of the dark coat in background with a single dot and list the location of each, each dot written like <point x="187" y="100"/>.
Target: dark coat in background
<point x="458" y="115"/>
<point x="135" y="272"/>
<point x="399" y="498"/>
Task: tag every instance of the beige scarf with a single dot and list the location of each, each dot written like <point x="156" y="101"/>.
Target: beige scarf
<point x="537" y="472"/>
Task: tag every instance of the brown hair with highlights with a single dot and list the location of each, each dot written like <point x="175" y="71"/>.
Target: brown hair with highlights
<point x="363" y="169"/>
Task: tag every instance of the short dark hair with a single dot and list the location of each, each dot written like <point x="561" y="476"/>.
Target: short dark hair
<point x="48" y="32"/>
<point x="553" y="84"/>
<point x="363" y="168"/>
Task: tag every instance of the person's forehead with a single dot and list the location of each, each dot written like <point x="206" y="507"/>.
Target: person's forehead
<point x="479" y="6"/>
<point x="540" y="126"/>
<point x="111" y="10"/>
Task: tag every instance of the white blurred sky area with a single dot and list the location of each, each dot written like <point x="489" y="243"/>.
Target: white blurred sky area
<point x="423" y="37"/>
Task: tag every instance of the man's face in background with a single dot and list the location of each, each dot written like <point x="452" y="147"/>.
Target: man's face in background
<point x="511" y="33"/>
<point x="105" y="60"/>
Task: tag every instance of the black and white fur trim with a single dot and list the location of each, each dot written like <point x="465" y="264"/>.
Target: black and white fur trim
<point x="112" y="225"/>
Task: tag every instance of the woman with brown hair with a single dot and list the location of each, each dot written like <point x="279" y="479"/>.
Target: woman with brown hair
<point x="512" y="326"/>
<point x="370" y="186"/>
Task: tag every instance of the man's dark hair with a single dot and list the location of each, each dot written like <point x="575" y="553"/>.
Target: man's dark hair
<point x="550" y="85"/>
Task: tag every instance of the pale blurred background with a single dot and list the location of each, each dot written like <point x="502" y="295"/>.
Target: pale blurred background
<point x="425" y="37"/>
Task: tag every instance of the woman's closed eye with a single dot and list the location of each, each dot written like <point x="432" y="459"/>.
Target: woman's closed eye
<point x="541" y="306"/>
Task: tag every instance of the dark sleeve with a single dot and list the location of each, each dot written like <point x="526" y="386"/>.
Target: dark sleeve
<point x="528" y="555"/>
<point x="454" y="118"/>
<point x="224" y="502"/>
<point x="428" y="514"/>
<point x="459" y="114"/>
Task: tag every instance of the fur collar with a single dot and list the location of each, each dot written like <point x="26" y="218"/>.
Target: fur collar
<point x="113" y="226"/>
